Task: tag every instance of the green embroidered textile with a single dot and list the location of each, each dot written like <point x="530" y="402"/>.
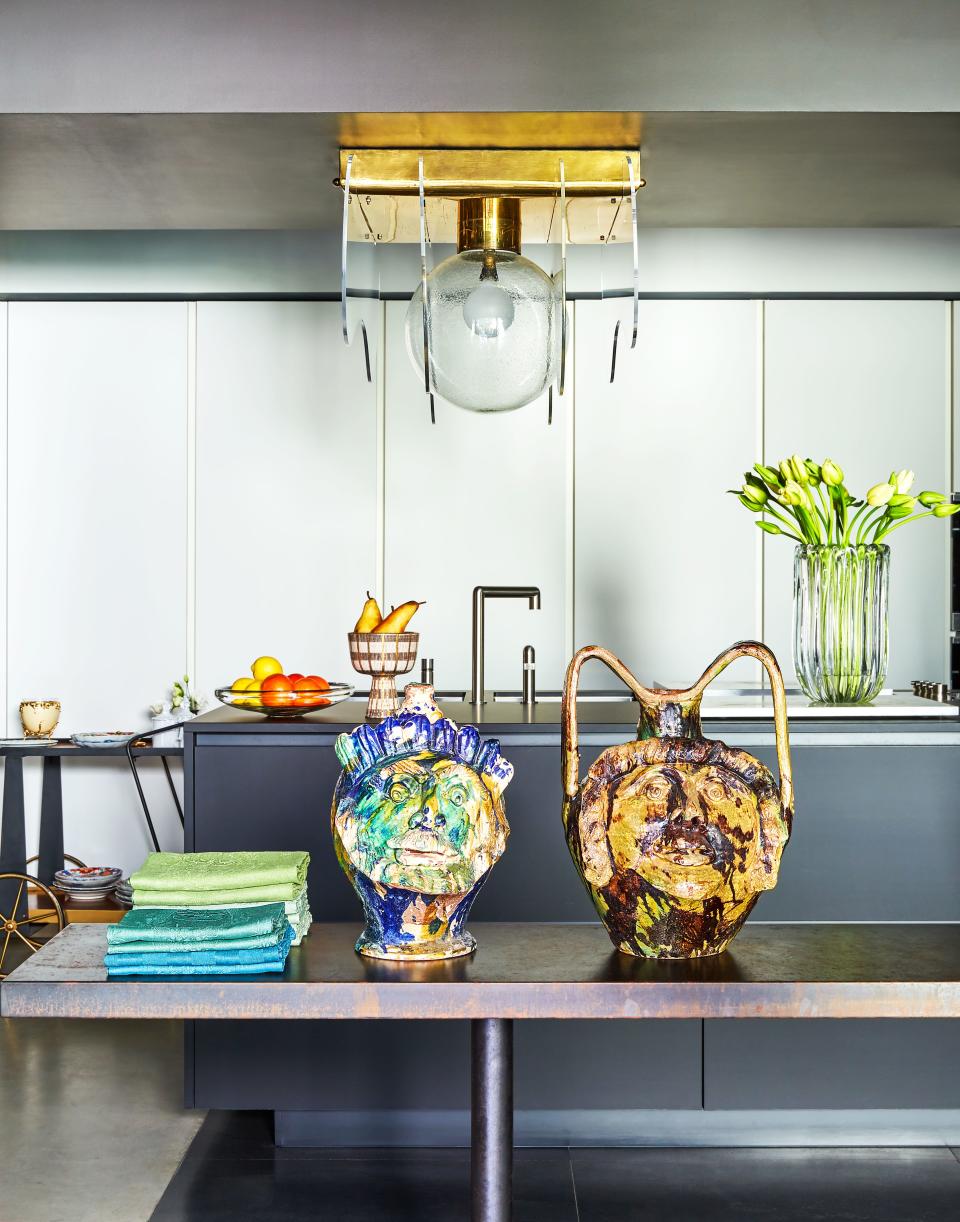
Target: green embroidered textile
<point x="198" y="929"/>
<point x="205" y="874"/>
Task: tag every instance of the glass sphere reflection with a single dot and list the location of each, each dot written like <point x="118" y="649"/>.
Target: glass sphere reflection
<point x="494" y="341"/>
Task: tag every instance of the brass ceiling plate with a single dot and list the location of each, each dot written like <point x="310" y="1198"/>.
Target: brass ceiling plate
<point x="493" y="130"/>
<point x="465" y="173"/>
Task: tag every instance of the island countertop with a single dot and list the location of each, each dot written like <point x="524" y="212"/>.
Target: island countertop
<point x="894" y="712"/>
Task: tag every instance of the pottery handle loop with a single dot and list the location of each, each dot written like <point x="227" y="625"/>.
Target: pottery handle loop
<point x="570" y="746"/>
<point x="765" y="656"/>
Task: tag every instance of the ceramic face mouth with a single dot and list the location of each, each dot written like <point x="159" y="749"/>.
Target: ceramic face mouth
<point x="688" y="848"/>
<point x="422" y="849"/>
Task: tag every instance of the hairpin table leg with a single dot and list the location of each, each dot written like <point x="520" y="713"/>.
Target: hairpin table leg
<point x="491" y="1155"/>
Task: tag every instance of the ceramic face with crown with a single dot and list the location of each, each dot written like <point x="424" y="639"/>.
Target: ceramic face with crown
<point x="418" y="823"/>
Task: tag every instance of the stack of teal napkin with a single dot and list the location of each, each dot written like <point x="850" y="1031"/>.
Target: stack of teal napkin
<point x="211" y="914"/>
<point x="199" y="941"/>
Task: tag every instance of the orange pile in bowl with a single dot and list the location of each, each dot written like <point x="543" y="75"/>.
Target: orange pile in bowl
<point x="270" y="686"/>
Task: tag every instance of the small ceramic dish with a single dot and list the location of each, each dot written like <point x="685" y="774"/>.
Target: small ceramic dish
<point x="285" y="704"/>
<point x="110" y="738"/>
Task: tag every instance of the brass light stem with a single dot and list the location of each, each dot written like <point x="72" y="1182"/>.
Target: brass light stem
<point x="491" y="223"/>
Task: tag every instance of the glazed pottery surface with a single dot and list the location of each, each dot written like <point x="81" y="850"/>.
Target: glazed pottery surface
<point x="675" y="835"/>
<point x="39" y="717"/>
<point x="418" y="822"/>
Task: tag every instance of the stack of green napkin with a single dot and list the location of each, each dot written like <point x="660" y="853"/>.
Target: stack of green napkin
<point x="182" y="880"/>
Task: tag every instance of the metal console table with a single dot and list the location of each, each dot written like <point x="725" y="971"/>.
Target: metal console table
<point x="525" y="971"/>
<point x="13" y="840"/>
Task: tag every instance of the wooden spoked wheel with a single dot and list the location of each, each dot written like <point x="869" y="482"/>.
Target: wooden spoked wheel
<point x="18" y="930"/>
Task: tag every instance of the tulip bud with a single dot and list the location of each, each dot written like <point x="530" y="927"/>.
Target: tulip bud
<point x="832" y="474"/>
<point x="945" y="511"/>
<point x="902" y="480"/>
<point x="748" y="504"/>
<point x="786" y="469"/>
<point x="799" y="467"/>
<point x="768" y="475"/>
<point x="879" y="494"/>
<point x="901" y="498"/>
<point x="901" y="511"/>
<point x="929" y="499"/>
<point x="771" y="528"/>
<point x="793" y="493"/>
<point x="757" y="496"/>
<point x="814" y="471"/>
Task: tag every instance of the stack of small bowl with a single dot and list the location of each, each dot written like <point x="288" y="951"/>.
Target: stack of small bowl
<point x="123" y="893"/>
<point x="85" y="884"/>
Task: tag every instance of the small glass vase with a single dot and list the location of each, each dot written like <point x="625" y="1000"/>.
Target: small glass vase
<point x="840" y="631"/>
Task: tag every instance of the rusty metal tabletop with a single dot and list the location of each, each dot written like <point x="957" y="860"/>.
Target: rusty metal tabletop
<point x="528" y="970"/>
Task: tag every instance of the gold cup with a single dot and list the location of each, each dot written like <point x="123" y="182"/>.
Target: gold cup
<point x="39" y="717"/>
<point x="383" y="656"/>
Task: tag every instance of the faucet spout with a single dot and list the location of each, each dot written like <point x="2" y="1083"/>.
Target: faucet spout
<point x="480" y="595"/>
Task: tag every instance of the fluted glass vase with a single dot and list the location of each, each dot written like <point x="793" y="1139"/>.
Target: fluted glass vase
<point x="840" y="638"/>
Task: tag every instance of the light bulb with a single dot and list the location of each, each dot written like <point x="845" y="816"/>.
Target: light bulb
<point x="488" y="311"/>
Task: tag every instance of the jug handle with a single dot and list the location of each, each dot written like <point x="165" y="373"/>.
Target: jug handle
<point x="570" y="752"/>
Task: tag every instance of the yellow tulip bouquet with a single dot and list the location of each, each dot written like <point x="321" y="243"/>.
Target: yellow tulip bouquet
<point x="809" y="503"/>
<point x="841" y="566"/>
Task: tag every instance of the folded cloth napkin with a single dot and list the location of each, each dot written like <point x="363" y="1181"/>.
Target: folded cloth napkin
<point x="187" y="969"/>
<point x="264" y="958"/>
<point x="201" y="929"/>
<point x="201" y="874"/>
<point x="297" y="911"/>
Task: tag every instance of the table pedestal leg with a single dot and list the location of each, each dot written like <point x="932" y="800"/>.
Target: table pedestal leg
<point x="491" y="1157"/>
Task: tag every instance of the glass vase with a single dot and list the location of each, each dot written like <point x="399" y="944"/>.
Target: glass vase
<point x="840" y="637"/>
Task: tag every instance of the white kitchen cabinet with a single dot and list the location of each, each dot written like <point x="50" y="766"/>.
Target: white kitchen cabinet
<point x="97" y="530"/>
<point x="286" y="500"/>
<point x="867" y="384"/>
<point x="475" y="500"/>
<point x="666" y="562"/>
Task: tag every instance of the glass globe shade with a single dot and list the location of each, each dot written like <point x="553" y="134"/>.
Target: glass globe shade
<point x="494" y="341"/>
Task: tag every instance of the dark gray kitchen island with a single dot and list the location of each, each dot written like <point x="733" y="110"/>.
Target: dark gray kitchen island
<point x="876" y="839"/>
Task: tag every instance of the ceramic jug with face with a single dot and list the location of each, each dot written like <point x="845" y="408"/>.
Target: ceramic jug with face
<point x="418" y="822"/>
<point x="675" y="835"/>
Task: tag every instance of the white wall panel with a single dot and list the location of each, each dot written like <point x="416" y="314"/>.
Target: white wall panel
<point x="867" y="384"/>
<point x="666" y="563"/>
<point x="3" y="516"/>
<point x="475" y="500"/>
<point x="97" y="539"/>
<point x="286" y="488"/>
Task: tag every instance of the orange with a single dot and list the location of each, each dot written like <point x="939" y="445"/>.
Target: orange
<point x="311" y="683"/>
<point x="276" y="691"/>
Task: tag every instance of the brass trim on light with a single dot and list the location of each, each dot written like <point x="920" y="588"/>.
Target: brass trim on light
<point x="488" y="224"/>
<point x="481" y="173"/>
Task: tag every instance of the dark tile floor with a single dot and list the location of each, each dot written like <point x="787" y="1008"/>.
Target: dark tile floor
<point x="232" y="1171"/>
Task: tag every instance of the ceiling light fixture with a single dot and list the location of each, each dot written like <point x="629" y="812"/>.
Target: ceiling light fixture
<point x="486" y="327"/>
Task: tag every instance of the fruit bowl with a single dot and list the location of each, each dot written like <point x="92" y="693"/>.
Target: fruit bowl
<point x="285" y="704"/>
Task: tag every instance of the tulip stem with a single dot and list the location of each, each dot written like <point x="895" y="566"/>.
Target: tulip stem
<point x="903" y="521"/>
<point x="864" y="508"/>
<point x="827" y="515"/>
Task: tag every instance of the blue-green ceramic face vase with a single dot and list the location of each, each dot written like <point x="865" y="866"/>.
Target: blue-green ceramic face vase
<point x="418" y="822"/>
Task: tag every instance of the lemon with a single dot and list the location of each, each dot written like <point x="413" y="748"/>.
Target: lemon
<point x="266" y="666"/>
<point x="241" y="684"/>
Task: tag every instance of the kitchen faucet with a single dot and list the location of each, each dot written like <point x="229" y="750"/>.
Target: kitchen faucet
<point x="480" y="595"/>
